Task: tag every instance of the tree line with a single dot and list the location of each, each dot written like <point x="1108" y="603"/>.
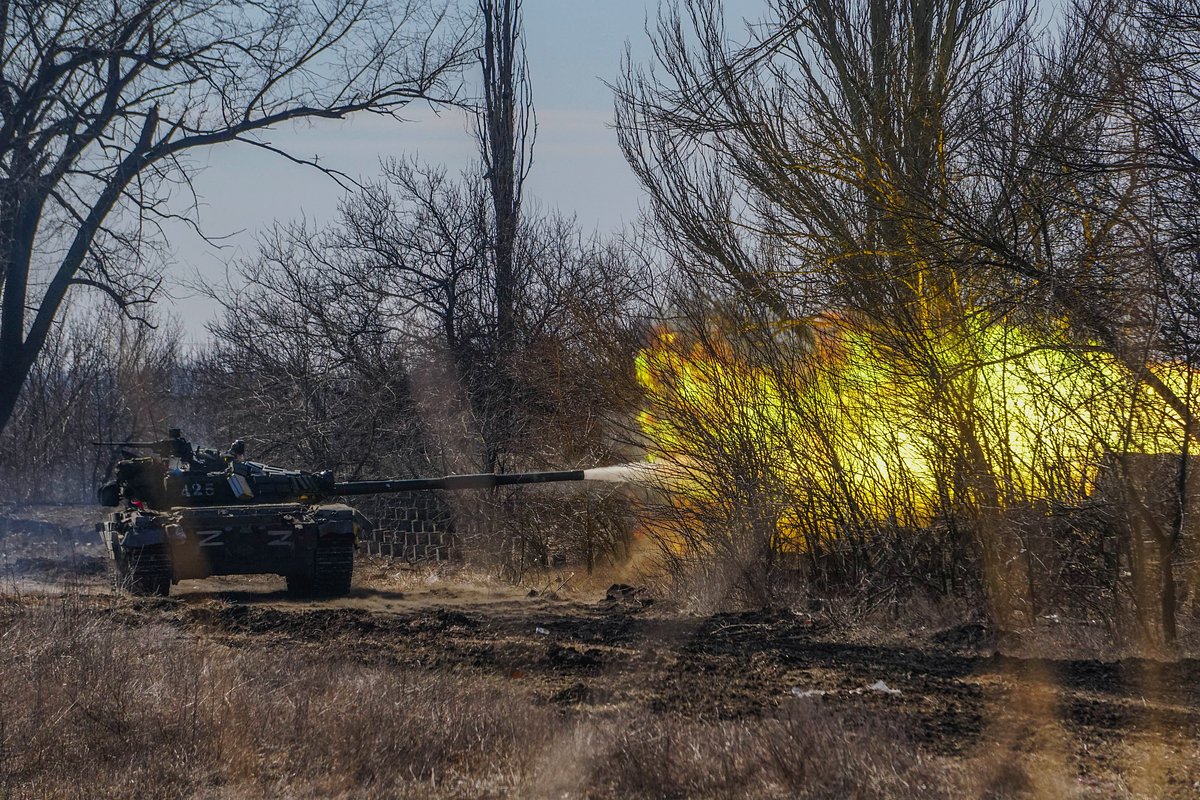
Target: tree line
<point x="917" y="179"/>
<point x="436" y="325"/>
<point x="961" y="192"/>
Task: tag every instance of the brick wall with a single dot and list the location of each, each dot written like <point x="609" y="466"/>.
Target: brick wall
<point x="414" y="526"/>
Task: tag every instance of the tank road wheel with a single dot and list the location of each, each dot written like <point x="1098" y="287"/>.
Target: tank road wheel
<point x="335" y="568"/>
<point x="332" y="570"/>
<point x="144" y="572"/>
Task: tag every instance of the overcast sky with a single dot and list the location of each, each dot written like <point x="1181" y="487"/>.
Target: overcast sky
<point x="574" y="46"/>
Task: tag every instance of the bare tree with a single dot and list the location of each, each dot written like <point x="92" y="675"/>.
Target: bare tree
<point x="1086" y="207"/>
<point x="442" y="307"/>
<point x="365" y="347"/>
<point x="809" y="168"/>
<point x="933" y="172"/>
<point x="101" y="104"/>
<point x="506" y="129"/>
<point x="100" y="377"/>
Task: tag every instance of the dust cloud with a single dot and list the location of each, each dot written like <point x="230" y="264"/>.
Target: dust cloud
<point x="644" y="473"/>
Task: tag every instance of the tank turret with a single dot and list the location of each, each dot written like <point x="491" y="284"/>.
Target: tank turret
<point x="188" y="512"/>
<point x="177" y="475"/>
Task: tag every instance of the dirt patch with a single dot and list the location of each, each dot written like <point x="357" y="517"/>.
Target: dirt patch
<point x="621" y="654"/>
<point x="1081" y="727"/>
<point x="54" y="545"/>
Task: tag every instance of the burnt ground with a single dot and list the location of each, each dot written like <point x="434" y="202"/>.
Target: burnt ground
<point x="1107" y="728"/>
<point x="1099" y="728"/>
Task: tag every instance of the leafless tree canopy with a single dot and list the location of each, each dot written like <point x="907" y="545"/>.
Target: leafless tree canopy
<point x="930" y="273"/>
<point x="506" y="129"/>
<point x="101" y="104"/>
<point x="99" y="377"/>
<point x="922" y="173"/>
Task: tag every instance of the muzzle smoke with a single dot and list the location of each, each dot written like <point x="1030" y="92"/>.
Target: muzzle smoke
<point x="645" y="474"/>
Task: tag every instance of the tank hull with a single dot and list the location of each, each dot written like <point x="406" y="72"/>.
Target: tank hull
<point x="311" y="545"/>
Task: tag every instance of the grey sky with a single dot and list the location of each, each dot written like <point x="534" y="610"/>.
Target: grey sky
<point x="573" y="47"/>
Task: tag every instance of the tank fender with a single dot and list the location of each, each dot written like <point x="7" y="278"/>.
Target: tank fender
<point x="143" y="533"/>
<point x="339" y="520"/>
<point x="110" y="534"/>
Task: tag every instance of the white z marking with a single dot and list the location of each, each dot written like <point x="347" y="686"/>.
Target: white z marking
<point x="210" y="538"/>
<point x="280" y="539"/>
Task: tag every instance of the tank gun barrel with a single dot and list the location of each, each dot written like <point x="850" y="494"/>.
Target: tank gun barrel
<point x="136" y="445"/>
<point x="455" y="482"/>
<point x="174" y="445"/>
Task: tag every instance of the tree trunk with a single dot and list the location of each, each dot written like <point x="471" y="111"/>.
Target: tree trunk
<point x="1150" y="503"/>
<point x="503" y="131"/>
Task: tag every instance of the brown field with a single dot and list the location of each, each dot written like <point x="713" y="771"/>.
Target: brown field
<point x="428" y="684"/>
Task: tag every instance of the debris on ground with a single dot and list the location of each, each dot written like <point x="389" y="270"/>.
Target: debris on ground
<point x="883" y="688"/>
<point x="624" y="593"/>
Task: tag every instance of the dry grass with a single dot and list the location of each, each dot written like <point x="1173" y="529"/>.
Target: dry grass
<point x="92" y="705"/>
<point x="804" y="752"/>
<point x="95" y="708"/>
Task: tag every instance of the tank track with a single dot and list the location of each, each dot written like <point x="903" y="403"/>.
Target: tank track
<point x="145" y="572"/>
<point x="333" y="568"/>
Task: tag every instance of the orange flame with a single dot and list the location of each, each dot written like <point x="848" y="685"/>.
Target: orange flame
<point x="851" y="428"/>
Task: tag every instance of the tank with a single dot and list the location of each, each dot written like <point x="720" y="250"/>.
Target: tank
<point x="185" y="512"/>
